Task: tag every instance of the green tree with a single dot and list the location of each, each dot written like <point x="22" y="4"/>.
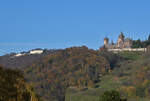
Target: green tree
<point x="137" y="44"/>
<point x="111" y="96"/>
<point x="140" y="91"/>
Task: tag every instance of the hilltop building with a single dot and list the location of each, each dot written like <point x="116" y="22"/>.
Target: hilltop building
<point x="31" y="52"/>
<point x="122" y="42"/>
<point x="36" y="51"/>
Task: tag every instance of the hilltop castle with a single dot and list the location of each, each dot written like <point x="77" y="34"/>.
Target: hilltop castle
<point x="122" y="42"/>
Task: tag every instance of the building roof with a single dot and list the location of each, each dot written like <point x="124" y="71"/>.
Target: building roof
<point x="106" y="38"/>
<point x="128" y="39"/>
<point x="121" y="35"/>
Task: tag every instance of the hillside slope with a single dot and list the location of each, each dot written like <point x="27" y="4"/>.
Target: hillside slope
<point x="82" y="74"/>
<point x="76" y="67"/>
<point x="131" y="77"/>
<point x="11" y="61"/>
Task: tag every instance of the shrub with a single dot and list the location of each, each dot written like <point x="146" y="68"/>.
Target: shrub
<point x="140" y="91"/>
<point x="111" y="96"/>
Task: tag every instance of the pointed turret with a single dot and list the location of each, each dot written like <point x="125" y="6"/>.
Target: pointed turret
<point x="121" y="36"/>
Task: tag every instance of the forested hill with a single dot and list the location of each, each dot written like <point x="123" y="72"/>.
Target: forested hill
<point x="77" y="67"/>
<point x="82" y="74"/>
<point x="52" y="72"/>
<point x="11" y="61"/>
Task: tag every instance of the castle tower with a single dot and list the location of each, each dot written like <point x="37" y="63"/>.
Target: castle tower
<point x="120" y="42"/>
<point x="121" y="36"/>
<point x="106" y="42"/>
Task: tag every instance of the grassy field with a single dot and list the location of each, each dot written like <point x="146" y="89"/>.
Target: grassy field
<point x="93" y="94"/>
<point x="108" y="82"/>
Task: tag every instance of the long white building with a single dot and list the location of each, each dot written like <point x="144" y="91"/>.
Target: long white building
<point x="36" y="52"/>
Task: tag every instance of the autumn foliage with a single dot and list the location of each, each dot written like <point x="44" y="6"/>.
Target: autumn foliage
<point x="13" y="86"/>
<point x="77" y="67"/>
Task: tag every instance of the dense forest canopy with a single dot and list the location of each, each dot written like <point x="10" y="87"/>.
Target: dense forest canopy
<point x="77" y="67"/>
<point x="13" y="86"/>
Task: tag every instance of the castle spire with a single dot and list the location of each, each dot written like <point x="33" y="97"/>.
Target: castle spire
<point x="121" y="35"/>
